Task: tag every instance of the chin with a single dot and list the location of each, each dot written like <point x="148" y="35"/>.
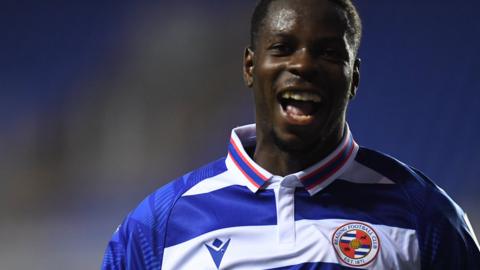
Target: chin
<point x="304" y="139"/>
<point x="294" y="143"/>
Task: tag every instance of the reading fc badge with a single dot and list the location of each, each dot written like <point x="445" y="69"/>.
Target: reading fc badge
<point x="356" y="244"/>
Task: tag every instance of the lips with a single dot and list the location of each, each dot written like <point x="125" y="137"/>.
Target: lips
<point x="299" y="106"/>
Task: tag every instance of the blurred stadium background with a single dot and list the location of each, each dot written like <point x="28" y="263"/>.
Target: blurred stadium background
<point x="102" y="102"/>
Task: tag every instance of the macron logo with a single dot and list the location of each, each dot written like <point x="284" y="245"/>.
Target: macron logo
<point x="217" y="249"/>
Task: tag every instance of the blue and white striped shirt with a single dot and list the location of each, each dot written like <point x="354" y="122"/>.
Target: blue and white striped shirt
<point x="356" y="208"/>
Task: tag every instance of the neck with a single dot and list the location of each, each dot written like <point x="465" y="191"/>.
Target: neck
<point x="280" y="161"/>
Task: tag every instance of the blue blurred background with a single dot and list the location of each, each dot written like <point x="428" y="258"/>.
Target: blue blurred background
<point x="103" y="102"/>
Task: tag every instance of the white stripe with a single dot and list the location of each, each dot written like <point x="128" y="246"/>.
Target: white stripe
<point x="349" y="238"/>
<point x="470" y="229"/>
<point x="256" y="247"/>
<point x="216" y="182"/>
<point x="361" y="174"/>
<point x="362" y="250"/>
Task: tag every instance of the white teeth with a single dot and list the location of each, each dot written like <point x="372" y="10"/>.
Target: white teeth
<point x="301" y="117"/>
<point x="302" y="96"/>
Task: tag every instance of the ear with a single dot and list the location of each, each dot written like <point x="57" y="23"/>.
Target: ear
<point x="248" y="67"/>
<point x="355" y="78"/>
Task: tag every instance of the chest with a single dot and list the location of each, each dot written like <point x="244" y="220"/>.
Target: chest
<point x="285" y="227"/>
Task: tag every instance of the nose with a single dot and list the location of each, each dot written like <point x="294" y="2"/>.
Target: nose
<point x="303" y="64"/>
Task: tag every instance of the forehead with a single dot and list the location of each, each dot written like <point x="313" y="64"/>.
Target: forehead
<point x="307" y="15"/>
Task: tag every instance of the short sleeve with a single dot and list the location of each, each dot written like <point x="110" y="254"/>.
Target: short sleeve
<point x="139" y="241"/>
<point x="135" y="244"/>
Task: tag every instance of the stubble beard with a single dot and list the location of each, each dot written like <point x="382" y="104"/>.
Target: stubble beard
<point x="295" y="148"/>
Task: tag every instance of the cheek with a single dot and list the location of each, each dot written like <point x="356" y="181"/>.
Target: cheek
<point x="339" y="82"/>
<point x="341" y="76"/>
<point x="266" y="77"/>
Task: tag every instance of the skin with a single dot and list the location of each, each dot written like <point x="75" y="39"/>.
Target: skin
<point x="303" y="47"/>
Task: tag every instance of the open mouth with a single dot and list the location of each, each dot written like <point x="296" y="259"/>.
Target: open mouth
<point x="299" y="106"/>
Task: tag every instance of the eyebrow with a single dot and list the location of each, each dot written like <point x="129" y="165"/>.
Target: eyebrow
<point x="326" y="39"/>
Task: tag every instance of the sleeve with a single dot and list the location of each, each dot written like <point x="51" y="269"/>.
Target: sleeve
<point x="138" y="243"/>
<point x="114" y="257"/>
<point x="446" y="238"/>
<point x="133" y="245"/>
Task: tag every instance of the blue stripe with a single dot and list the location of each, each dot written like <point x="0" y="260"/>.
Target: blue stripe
<point x="345" y="241"/>
<point x="365" y="246"/>
<point x="351" y="234"/>
<point x="232" y="206"/>
<point x="244" y="166"/>
<point x="312" y="180"/>
<point x="372" y="203"/>
<point x="315" y="266"/>
<point x="360" y="253"/>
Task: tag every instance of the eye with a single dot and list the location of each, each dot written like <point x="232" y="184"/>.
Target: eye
<point x="281" y="49"/>
<point x="329" y="52"/>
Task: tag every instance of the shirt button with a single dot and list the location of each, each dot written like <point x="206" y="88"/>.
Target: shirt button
<point x="290" y="181"/>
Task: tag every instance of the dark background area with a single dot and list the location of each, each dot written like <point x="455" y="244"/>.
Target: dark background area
<point x="103" y="102"/>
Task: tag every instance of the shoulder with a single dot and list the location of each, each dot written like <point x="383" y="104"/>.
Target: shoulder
<point x="445" y="237"/>
<point x="140" y="239"/>
<point x="155" y="208"/>
<point x="414" y="182"/>
<point x="421" y="191"/>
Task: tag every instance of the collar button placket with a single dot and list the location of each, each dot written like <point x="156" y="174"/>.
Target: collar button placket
<point x="284" y="199"/>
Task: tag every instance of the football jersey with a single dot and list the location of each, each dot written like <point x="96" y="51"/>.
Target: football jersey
<point x="354" y="209"/>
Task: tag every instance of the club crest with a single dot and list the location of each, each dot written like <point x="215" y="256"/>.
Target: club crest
<point x="356" y="244"/>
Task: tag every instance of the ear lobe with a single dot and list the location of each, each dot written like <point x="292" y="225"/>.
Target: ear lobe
<point x="355" y="78"/>
<point x="248" y="66"/>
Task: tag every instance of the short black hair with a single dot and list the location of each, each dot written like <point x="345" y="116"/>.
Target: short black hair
<point x="354" y="22"/>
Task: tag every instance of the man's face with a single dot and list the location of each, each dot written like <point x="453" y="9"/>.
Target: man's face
<point x="303" y="72"/>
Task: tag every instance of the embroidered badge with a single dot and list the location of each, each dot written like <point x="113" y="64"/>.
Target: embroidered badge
<point x="356" y="243"/>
